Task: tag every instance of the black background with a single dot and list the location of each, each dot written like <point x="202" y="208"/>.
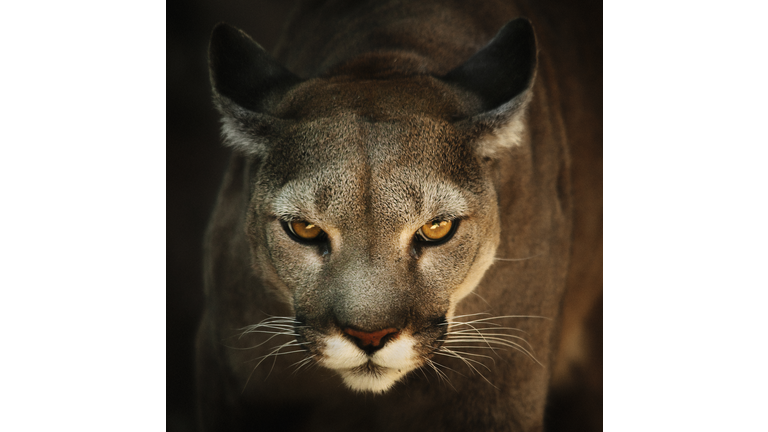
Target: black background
<point x="195" y="166"/>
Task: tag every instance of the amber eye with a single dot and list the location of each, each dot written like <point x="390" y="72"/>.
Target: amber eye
<point x="305" y="230"/>
<point x="435" y="231"/>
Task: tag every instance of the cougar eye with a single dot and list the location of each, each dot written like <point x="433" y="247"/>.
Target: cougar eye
<point x="437" y="231"/>
<point x="304" y="231"/>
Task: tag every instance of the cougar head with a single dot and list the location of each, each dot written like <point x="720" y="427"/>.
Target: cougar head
<point x="372" y="206"/>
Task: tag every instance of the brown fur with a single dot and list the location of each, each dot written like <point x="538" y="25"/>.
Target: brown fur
<point x="369" y="122"/>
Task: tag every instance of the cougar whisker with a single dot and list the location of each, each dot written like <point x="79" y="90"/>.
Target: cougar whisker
<point x="450" y="353"/>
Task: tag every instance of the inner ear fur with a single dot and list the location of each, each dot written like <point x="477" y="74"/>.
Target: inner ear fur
<point x="501" y="75"/>
<point x="246" y="82"/>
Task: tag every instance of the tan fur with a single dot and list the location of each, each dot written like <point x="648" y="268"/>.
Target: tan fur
<point x="389" y="125"/>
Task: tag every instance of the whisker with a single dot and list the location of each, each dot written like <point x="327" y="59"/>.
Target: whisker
<point x="423" y="373"/>
<point x="275" y="354"/>
<point x="278" y="320"/>
<point x="464" y="316"/>
<point x="489" y="324"/>
<point x="450" y="369"/>
<point x="278" y="317"/>
<point x="274" y="321"/>
<point x="270" y="332"/>
<point x="479" y="347"/>
<point x="266" y="331"/>
<point x="487" y="331"/>
<point x="274" y="333"/>
<point x="485" y="341"/>
<point x="512" y="345"/>
<point x="450" y="353"/>
<point x="249" y="329"/>
<point x="471" y="354"/>
<point x="467" y="362"/>
<point x="440" y="373"/>
<point x="488" y="328"/>
<point x="498" y="341"/>
<point x="431" y="364"/>
<point x="258" y="345"/>
<point x="302" y="363"/>
<point x="270" y="324"/>
<point x="502" y="317"/>
<point x="269" y="328"/>
<point x="274" y="360"/>
<point x="477" y="332"/>
<point x="481" y="298"/>
<point x="265" y="325"/>
<point x="492" y="335"/>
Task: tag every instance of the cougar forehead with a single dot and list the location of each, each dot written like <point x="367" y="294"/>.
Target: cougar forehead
<point x="347" y="154"/>
<point x="377" y="182"/>
<point x="393" y="99"/>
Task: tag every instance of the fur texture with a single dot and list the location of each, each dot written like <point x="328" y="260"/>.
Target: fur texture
<point x="378" y="119"/>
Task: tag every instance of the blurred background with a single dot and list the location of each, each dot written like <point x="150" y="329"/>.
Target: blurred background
<point x="195" y="167"/>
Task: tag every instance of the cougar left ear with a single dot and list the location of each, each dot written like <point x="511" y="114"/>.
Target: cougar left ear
<point x="501" y="75"/>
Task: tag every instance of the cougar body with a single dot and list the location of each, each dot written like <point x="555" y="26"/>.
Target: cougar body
<point x="394" y="237"/>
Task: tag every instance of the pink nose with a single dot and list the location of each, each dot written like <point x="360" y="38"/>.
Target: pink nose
<point x="365" y="339"/>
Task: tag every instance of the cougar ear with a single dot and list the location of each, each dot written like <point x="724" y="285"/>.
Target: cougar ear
<point x="501" y="75"/>
<point x="246" y="82"/>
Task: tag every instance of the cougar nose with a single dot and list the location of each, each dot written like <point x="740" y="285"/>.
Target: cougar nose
<point x="373" y="341"/>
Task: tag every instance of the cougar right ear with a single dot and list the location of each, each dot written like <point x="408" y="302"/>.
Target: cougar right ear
<point x="243" y="72"/>
<point x="246" y="82"/>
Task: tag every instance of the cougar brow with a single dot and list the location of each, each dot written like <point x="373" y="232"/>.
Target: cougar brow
<point x="296" y="201"/>
<point x="442" y="201"/>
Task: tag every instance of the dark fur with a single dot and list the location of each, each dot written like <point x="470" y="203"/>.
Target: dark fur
<point x="381" y="86"/>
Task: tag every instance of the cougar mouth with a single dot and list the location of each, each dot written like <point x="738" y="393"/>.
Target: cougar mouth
<point x="373" y="362"/>
<point x="373" y="377"/>
<point x="369" y="369"/>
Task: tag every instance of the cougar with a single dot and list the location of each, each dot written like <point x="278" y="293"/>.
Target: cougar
<point x="394" y="236"/>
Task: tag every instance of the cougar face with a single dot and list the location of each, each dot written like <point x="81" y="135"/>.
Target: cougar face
<point x="382" y="160"/>
<point x="372" y="224"/>
<point x="372" y="208"/>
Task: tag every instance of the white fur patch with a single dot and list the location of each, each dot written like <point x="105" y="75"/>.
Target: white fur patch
<point x="398" y="354"/>
<point x="376" y="373"/>
<point x="375" y="382"/>
<point x="239" y="141"/>
<point x="513" y="132"/>
<point x="342" y="354"/>
<point x="506" y="137"/>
